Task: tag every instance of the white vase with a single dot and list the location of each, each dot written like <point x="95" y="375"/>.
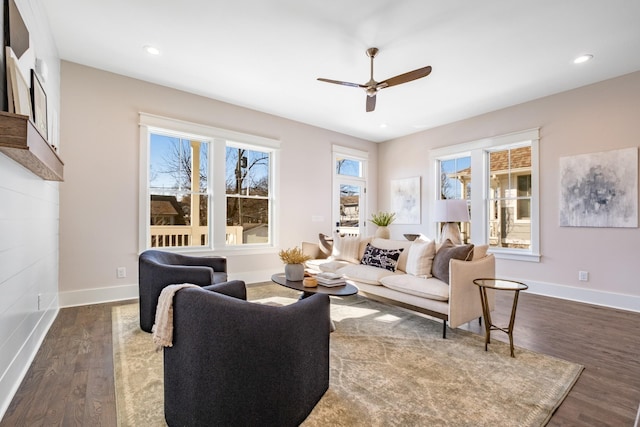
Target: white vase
<point x="294" y="272"/>
<point x="383" y="232"/>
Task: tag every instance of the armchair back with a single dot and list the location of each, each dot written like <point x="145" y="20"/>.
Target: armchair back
<point x="158" y="269"/>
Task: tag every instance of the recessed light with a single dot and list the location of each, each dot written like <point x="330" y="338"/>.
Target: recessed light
<point x="151" y="50"/>
<point x="583" y="58"/>
<point x="383" y="125"/>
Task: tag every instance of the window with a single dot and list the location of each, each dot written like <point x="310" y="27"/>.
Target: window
<point x="510" y="196"/>
<point x="455" y="183"/>
<point x="178" y="198"/>
<point x="203" y="187"/>
<point x="349" y="190"/>
<point x="247" y="188"/>
<point x="499" y="178"/>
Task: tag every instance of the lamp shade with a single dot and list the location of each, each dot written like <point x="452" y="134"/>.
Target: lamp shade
<point x="451" y="210"/>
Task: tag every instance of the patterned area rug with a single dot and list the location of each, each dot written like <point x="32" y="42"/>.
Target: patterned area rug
<point x="389" y="367"/>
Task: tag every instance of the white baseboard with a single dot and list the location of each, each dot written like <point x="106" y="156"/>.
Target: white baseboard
<point x="588" y="296"/>
<point x="125" y="292"/>
<point x="19" y="366"/>
<point x="98" y="295"/>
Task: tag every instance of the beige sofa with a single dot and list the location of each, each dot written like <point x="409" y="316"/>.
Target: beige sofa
<point x="416" y="282"/>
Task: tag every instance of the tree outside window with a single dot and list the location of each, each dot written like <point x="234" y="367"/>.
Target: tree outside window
<point x="247" y="189"/>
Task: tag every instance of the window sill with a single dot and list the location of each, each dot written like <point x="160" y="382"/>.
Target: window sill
<point x="515" y="255"/>
<point x="224" y="251"/>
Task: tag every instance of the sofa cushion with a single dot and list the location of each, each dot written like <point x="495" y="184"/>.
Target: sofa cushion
<point x="364" y="273"/>
<point x="432" y="288"/>
<point x="345" y="248"/>
<point x="394" y="244"/>
<point x="448" y="251"/>
<point x="381" y="258"/>
<point x="348" y="248"/>
<point x="420" y="257"/>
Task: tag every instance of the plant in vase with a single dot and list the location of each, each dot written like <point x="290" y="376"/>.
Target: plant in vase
<point x="382" y="220"/>
<point x="293" y="259"/>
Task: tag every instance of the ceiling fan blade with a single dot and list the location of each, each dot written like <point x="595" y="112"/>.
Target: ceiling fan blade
<point x="406" y="77"/>
<point x="371" y="103"/>
<point x="338" y="82"/>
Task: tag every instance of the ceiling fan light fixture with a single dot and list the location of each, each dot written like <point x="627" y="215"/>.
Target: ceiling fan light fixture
<point x="372" y="87"/>
<point x="583" y="58"/>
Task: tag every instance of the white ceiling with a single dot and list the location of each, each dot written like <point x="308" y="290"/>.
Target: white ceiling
<point x="267" y="54"/>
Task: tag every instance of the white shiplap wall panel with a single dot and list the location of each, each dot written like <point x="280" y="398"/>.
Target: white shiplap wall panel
<point x="29" y="224"/>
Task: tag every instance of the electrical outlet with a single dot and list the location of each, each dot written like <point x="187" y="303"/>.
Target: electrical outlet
<point x="121" y="272"/>
<point x="583" y="276"/>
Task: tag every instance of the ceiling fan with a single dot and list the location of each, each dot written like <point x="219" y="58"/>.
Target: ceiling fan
<point x="372" y="87"/>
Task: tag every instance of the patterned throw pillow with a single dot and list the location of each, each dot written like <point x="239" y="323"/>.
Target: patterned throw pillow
<point x="381" y="258"/>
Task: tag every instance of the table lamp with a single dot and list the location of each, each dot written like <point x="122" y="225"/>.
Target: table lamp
<point x="451" y="212"/>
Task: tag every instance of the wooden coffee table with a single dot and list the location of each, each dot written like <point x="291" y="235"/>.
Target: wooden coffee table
<point x="334" y="291"/>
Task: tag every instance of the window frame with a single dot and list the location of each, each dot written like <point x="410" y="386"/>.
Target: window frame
<point x="218" y="139"/>
<point x="479" y="152"/>
<point x="361" y="181"/>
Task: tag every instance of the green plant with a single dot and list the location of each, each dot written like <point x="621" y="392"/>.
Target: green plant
<point x="293" y="256"/>
<point x="382" y="219"/>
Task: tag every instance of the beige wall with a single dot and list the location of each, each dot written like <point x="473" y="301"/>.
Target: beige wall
<point x="594" y="118"/>
<point x="99" y="198"/>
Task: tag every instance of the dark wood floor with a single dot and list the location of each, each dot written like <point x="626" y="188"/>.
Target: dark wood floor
<point x="70" y="382"/>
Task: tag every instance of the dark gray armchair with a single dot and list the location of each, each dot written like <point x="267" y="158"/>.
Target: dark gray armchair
<point x="158" y="269"/>
<point x="238" y="363"/>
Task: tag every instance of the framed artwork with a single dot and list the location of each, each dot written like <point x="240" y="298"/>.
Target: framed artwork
<point x="599" y="189"/>
<point x="405" y="200"/>
<point x="39" y="104"/>
<point x="18" y="35"/>
<point x="19" y="91"/>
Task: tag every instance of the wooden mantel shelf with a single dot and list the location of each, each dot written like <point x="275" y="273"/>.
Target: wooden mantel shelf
<point x="21" y="141"/>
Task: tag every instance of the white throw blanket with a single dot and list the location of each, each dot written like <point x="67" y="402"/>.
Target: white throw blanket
<point x="163" y="326"/>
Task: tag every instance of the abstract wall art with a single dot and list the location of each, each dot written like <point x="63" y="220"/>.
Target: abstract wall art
<point x="405" y="200"/>
<point x="599" y="189"/>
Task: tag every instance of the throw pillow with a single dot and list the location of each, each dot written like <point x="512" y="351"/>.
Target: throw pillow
<point x="420" y="258"/>
<point x="394" y="244"/>
<point x="363" y="245"/>
<point x="345" y="248"/>
<point x="448" y="251"/>
<point x="480" y="251"/>
<point x="381" y="258"/>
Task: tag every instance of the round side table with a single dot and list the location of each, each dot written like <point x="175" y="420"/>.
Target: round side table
<point x="498" y="285"/>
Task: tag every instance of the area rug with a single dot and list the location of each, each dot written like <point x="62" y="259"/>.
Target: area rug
<point x="389" y="367"/>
